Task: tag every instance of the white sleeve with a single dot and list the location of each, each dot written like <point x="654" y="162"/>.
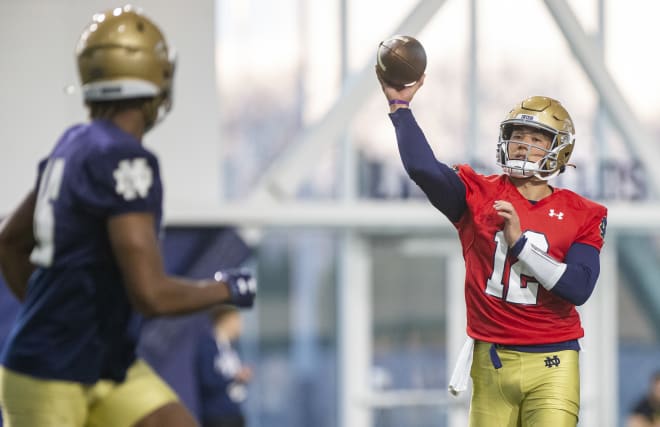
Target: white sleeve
<point x="544" y="268"/>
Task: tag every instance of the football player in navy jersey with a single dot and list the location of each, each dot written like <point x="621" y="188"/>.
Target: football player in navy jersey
<point x="221" y="376"/>
<point x="81" y="251"/>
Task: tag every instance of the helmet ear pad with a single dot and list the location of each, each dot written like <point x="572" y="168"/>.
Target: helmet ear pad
<point x="563" y="154"/>
<point x="154" y="110"/>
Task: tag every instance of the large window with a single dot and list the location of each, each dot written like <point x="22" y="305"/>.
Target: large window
<point x="280" y="73"/>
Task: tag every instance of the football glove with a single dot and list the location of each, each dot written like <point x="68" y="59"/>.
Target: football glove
<point x="242" y="286"/>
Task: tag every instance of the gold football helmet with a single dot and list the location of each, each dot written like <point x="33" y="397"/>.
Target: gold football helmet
<point x="545" y="114"/>
<point x="123" y="55"/>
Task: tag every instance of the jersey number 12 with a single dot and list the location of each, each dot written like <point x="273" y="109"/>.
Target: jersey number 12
<point x="522" y="288"/>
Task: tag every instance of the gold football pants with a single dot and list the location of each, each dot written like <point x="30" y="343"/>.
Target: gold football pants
<point x="33" y="402"/>
<point x="528" y="390"/>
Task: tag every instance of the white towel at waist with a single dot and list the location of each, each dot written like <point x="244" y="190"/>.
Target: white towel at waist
<point x="461" y="374"/>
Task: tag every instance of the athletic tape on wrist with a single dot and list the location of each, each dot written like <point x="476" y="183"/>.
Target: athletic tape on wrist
<point x="398" y="101"/>
<point x="544" y="268"/>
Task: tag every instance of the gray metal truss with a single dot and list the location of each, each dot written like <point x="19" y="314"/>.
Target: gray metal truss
<point x="588" y="54"/>
<point x="282" y="179"/>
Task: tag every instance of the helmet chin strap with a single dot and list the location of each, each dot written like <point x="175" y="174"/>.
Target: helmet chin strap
<point x="526" y="170"/>
<point x="520" y="168"/>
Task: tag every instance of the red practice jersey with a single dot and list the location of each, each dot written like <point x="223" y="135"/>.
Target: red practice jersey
<point x="504" y="304"/>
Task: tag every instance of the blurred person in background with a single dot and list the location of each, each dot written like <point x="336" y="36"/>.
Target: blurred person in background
<point x="532" y="254"/>
<point x="82" y="252"/>
<point x="646" y="412"/>
<point x="222" y="378"/>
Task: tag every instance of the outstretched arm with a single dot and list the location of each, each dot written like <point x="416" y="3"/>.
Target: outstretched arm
<point x="439" y="182"/>
<point x="16" y="243"/>
<point x="154" y="293"/>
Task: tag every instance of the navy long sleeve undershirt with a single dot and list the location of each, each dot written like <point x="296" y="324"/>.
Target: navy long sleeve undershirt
<point x="582" y="268"/>
<point x="446" y="192"/>
<point x="442" y="186"/>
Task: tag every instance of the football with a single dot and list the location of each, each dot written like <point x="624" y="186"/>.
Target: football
<point x="401" y="60"/>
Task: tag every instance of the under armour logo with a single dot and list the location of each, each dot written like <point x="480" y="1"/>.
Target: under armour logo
<point x="559" y="215"/>
<point x="552" y="361"/>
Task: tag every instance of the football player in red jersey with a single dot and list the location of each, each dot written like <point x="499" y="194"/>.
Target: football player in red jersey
<point x="82" y="250"/>
<point x="531" y="252"/>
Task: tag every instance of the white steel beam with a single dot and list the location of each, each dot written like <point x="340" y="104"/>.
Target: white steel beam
<point x="456" y="331"/>
<point x="354" y="330"/>
<point x="403" y="398"/>
<point x="599" y="361"/>
<point x="589" y="56"/>
<point x="367" y="215"/>
<point x="284" y="175"/>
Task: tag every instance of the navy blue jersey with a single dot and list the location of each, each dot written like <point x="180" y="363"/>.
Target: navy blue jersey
<point x="217" y="365"/>
<point x="76" y="322"/>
